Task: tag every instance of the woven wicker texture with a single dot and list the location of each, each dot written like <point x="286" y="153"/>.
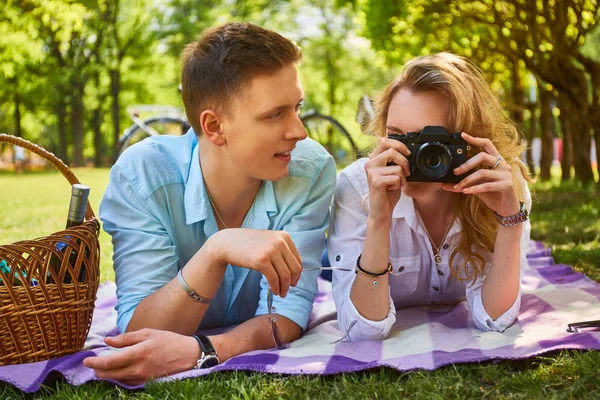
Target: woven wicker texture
<point x="52" y="318"/>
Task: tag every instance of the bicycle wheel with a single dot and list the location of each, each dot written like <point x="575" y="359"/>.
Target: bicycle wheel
<point x="151" y="127"/>
<point x="331" y="135"/>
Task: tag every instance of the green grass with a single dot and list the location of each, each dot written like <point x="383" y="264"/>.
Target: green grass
<point x="565" y="217"/>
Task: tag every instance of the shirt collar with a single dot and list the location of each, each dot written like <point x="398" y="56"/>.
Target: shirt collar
<point x="195" y="197"/>
<point x="405" y="208"/>
<point x="196" y="200"/>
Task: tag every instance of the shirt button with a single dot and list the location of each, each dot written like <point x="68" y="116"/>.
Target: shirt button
<point x="400" y="269"/>
<point x="338" y="258"/>
<point x="445" y="246"/>
<point x="436" y="288"/>
<point x="440" y="273"/>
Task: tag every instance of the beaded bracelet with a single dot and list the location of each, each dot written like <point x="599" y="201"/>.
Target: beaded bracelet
<point x="372" y="274"/>
<point x="513" y="220"/>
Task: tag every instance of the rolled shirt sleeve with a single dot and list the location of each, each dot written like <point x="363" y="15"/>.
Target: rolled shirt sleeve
<point x="144" y="256"/>
<point x="307" y="230"/>
<point x="347" y="231"/>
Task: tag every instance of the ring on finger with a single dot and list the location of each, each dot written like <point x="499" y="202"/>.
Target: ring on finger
<point x="498" y="161"/>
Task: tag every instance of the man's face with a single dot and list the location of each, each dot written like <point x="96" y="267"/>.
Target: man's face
<point x="264" y="126"/>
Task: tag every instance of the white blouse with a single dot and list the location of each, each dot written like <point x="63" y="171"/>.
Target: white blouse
<point x="416" y="280"/>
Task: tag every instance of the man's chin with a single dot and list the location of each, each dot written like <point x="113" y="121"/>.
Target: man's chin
<point x="274" y="174"/>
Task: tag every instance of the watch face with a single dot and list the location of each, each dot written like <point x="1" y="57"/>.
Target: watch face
<point x="209" y="361"/>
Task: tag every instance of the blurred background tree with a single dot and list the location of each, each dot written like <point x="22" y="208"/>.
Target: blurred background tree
<point x="70" y="69"/>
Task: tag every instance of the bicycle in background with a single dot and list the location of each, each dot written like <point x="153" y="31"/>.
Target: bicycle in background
<point x="167" y="120"/>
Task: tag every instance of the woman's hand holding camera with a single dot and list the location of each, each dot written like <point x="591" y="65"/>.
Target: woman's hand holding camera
<point x="385" y="180"/>
<point x="492" y="183"/>
<point x="272" y="253"/>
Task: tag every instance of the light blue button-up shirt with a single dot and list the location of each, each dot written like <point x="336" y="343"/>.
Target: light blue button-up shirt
<point x="157" y="211"/>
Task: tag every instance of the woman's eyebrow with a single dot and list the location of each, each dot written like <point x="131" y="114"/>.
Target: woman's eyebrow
<point x="394" y="129"/>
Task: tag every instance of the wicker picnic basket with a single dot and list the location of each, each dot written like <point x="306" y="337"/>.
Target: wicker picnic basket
<point x="41" y="317"/>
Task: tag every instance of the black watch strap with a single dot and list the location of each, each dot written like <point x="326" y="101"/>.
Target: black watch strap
<point x="208" y="357"/>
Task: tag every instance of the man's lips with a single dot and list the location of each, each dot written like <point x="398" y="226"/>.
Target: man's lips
<point x="284" y="153"/>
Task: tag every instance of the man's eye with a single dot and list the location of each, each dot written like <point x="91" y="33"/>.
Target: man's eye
<point x="277" y="115"/>
<point x="300" y="106"/>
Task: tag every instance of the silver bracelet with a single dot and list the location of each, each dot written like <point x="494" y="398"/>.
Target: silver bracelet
<point x="189" y="290"/>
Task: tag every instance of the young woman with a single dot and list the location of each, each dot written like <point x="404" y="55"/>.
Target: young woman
<point x="427" y="243"/>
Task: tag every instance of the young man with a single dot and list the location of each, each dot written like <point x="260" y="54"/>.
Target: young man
<point x="204" y="223"/>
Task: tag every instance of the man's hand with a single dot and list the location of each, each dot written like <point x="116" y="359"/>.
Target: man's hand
<point x="151" y="354"/>
<point x="272" y="253"/>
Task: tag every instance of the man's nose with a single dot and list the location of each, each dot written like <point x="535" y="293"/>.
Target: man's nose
<point x="297" y="131"/>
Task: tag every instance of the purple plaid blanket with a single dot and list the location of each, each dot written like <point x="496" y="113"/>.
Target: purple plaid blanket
<point x="424" y="337"/>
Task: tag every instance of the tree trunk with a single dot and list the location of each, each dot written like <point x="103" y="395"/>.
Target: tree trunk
<point x="77" y="122"/>
<point x="532" y="132"/>
<point x="18" y="131"/>
<point x="96" y="123"/>
<point x="547" y="137"/>
<point x="61" y="116"/>
<point x="517" y="110"/>
<point x="582" y="136"/>
<point x="597" y="144"/>
<point x="566" y="118"/>
<point x="115" y="89"/>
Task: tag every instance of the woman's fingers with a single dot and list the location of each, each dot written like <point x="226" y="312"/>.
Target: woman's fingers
<point x="390" y="157"/>
<point x="481" y="159"/>
<point x="480" y="176"/>
<point x="396" y="145"/>
<point x="388" y="182"/>
<point x="484" y="143"/>
<point x="386" y="144"/>
<point x="486" y="187"/>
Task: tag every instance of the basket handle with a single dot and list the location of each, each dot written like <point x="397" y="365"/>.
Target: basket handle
<point x="51" y="158"/>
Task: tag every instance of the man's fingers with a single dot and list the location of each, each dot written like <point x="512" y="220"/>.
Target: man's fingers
<point x="114" y="361"/>
<point x="297" y="262"/>
<point x="284" y="274"/>
<point x="132" y="375"/>
<point x="293" y="265"/>
<point x="272" y="277"/>
<point x="128" y="338"/>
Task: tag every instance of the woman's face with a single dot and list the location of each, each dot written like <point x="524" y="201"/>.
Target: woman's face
<point x="411" y="112"/>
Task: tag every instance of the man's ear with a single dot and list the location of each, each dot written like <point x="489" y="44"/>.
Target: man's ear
<point x="210" y="121"/>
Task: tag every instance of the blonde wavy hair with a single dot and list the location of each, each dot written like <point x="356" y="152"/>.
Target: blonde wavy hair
<point x="473" y="109"/>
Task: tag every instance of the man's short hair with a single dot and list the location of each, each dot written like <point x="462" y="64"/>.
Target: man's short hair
<point x="222" y="63"/>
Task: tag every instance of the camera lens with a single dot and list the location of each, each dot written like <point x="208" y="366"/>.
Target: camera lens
<point x="433" y="160"/>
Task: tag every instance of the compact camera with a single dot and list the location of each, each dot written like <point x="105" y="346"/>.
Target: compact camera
<point x="434" y="154"/>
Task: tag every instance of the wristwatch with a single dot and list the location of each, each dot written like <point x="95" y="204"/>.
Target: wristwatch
<point x="208" y="355"/>
<point x="513" y="220"/>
